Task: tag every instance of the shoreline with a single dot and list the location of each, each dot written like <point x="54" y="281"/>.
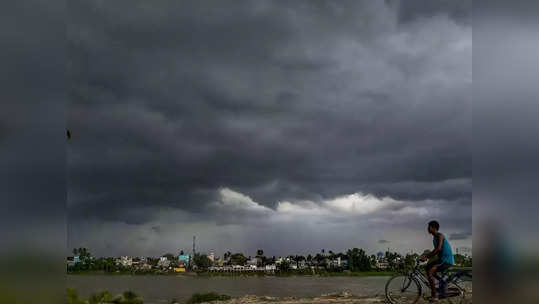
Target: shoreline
<point x="239" y="274"/>
<point x="333" y="298"/>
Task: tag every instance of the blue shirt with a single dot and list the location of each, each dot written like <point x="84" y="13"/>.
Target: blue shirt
<point x="446" y="254"/>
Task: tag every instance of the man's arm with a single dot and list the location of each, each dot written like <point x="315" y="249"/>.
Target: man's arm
<point x="438" y="248"/>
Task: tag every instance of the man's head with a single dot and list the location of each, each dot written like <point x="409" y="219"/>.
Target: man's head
<point x="433" y="227"/>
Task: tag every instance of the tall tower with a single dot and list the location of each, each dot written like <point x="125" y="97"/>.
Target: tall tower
<point x="194" y="240"/>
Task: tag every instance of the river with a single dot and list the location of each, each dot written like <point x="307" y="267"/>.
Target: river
<point x="161" y="289"/>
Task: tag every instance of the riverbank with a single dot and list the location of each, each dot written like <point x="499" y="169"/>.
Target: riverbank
<point x="161" y="289"/>
<point x="240" y="274"/>
<point x="343" y="298"/>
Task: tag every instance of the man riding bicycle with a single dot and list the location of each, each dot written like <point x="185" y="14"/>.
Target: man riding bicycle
<point x="442" y="249"/>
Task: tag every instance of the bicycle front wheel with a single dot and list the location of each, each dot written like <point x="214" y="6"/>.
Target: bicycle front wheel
<point x="402" y="289"/>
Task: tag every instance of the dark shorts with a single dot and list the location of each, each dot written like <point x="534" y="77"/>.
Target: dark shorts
<point x="441" y="266"/>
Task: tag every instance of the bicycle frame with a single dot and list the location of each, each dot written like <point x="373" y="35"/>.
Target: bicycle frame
<point x="450" y="288"/>
<point x="417" y="275"/>
<point x="420" y="277"/>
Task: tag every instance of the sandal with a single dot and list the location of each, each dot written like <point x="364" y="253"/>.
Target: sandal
<point x="433" y="299"/>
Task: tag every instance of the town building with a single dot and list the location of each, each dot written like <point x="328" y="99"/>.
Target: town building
<point x="220" y="262"/>
<point x="163" y="262"/>
<point x="184" y="259"/>
<point x="179" y="269"/>
<point x="126" y="261"/>
<point x="252" y="261"/>
<point x="70" y="261"/>
<point x="382" y="264"/>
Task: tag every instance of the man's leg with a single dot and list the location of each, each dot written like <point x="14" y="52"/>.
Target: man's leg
<point x="442" y="269"/>
<point x="431" y="272"/>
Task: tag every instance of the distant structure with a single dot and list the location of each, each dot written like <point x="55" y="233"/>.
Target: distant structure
<point x="212" y="257"/>
<point x="194" y="241"/>
<point x="184" y="259"/>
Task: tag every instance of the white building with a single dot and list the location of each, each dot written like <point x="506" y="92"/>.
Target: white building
<point x="126" y="261"/>
<point x="252" y="261"/>
<point x="163" y="262"/>
<point x="211" y="256"/>
<point x="382" y="264"/>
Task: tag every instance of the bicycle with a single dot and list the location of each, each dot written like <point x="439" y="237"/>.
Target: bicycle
<point x="407" y="287"/>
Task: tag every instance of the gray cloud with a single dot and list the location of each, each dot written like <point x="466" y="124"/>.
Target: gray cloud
<point x="294" y="102"/>
<point x="460" y="236"/>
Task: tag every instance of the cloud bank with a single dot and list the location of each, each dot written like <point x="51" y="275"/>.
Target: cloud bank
<point x="343" y="123"/>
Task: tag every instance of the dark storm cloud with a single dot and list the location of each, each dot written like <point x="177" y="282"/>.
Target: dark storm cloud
<point x="157" y="229"/>
<point x="506" y="189"/>
<point x="460" y="236"/>
<point x="280" y="101"/>
<point x="33" y="111"/>
<point x="461" y="10"/>
<point x="32" y="153"/>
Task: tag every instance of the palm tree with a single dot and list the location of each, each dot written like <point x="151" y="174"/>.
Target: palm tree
<point x="227" y="256"/>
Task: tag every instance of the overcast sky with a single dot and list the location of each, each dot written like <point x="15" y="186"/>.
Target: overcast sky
<point x="288" y="126"/>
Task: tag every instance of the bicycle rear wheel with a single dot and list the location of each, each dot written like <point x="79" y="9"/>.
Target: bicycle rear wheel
<point x="402" y="289"/>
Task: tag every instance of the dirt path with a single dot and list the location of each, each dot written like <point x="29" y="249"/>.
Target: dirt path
<point x="344" y="298"/>
<point x="324" y="299"/>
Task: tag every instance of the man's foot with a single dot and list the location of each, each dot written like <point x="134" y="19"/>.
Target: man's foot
<point x="434" y="299"/>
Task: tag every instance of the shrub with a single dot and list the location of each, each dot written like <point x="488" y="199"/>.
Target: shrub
<point x="207" y="297"/>
<point x="72" y="297"/>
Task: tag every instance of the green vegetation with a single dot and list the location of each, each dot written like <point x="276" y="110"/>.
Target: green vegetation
<point x="202" y="261"/>
<point x="238" y="259"/>
<point x="103" y="297"/>
<point x="129" y="297"/>
<point x="207" y="297"/>
<point x="463" y="261"/>
<point x="353" y="262"/>
<point x="358" y="260"/>
<point x="73" y="298"/>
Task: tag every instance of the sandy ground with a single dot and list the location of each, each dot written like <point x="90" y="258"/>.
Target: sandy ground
<point x="324" y="299"/>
